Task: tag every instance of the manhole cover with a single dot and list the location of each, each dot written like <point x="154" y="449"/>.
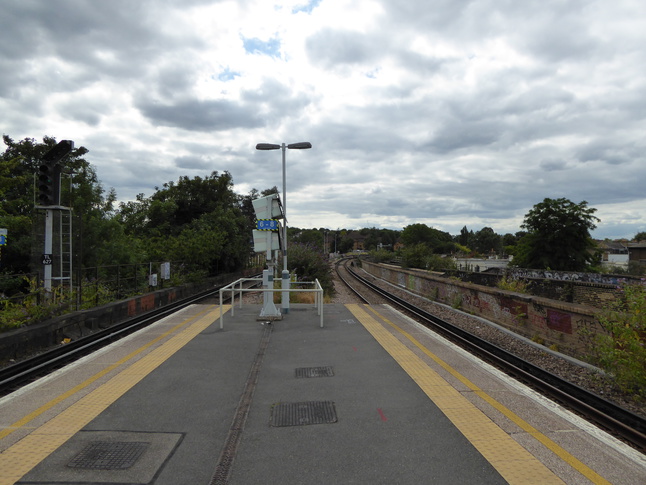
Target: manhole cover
<point x="303" y="413"/>
<point x="109" y="455"/>
<point x="325" y="371"/>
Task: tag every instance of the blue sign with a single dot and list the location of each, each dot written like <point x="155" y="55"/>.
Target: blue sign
<point x="267" y="225"/>
<point x="3" y="240"/>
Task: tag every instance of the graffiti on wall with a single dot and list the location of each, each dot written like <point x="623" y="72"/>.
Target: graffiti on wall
<point x="559" y="321"/>
<point x="514" y="308"/>
<point x="597" y="278"/>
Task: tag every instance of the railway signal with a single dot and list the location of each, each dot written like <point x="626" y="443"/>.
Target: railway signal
<point x="49" y="198"/>
<point x="49" y="184"/>
<point x="49" y="173"/>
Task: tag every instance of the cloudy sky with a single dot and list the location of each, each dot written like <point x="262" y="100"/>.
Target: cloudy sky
<point x="444" y="112"/>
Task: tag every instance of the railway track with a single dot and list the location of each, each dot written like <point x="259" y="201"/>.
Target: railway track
<point x="618" y="421"/>
<point x="21" y="373"/>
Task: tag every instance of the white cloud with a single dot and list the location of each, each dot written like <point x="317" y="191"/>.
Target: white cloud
<point x="450" y="113"/>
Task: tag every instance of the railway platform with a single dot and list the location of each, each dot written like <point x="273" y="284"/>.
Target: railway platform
<point x="371" y="397"/>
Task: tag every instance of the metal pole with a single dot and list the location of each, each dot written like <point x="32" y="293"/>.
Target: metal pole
<point x="285" y="275"/>
<point x="284" y="212"/>
<point x="49" y="237"/>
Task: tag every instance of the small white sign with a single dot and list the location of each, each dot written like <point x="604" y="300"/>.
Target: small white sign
<point x="165" y="271"/>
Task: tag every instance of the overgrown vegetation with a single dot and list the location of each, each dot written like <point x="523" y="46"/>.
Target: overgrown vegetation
<point x="622" y="350"/>
<point x="422" y="256"/>
<point x="512" y="284"/>
<point x="309" y="264"/>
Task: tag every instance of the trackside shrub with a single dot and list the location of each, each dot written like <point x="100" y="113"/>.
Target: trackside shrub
<point x="309" y="264"/>
<point x="512" y="284"/>
<point x="622" y="350"/>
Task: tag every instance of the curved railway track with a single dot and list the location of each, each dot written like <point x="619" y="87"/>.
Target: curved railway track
<point x="613" y="418"/>
<point x="17" y="375"/>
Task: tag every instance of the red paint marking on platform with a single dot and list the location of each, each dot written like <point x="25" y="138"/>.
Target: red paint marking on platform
<point x="354" y="348"/>
<point x="381" y="413"/>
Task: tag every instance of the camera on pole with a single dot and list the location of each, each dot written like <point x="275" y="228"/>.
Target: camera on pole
<point x="49" y="173"/>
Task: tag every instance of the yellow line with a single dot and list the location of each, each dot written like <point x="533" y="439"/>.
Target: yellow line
<point x="512" y="461"/>
<point x="18" y="459"/>
<point x="30" y="417"/>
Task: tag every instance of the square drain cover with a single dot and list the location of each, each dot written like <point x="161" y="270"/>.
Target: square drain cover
<point x="109" y="455"/>
<point x="303" y="413"/>
<point x="325" y="371"/>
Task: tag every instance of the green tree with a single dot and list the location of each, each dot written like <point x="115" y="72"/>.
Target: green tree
<point x="421" y="256"/>
<point x="309" y="264"/>
<point x="311" y="237"/>
<point x="486" y="241"/>
<point x="345" y="245"/>
<point x="438" y="241"/>
<point x="640" y="236"/>
<point x="198" y="221"/>
<point x="20" y="161"/>
<point x="465" y="238"/>
<point x="415" y="256"/>
<point x="558" y="236"/>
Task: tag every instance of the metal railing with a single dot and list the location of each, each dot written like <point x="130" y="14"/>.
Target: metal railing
<point x="115" y="282"/>
<point x="236" y="288"/>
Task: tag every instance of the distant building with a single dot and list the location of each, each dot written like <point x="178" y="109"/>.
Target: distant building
<point x="637" y="252"/>
<point x="481" y="264"/>
<point x="614" y="253"/>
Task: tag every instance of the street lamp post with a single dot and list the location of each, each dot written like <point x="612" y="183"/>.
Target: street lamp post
<point x="285" y="275"/>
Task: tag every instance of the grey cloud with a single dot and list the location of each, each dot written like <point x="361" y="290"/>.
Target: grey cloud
<point x="196" y="115"/>
<point x="616" y="153"/>
<point x="193" y="163"/>
<point x="554" y="109"/>
<point x="457" y="135"/>
<point x="332" y="47"/>
<point x="552" y="165"/>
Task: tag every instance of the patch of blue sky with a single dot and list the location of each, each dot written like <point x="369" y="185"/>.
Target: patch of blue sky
<point x="270" y="48"/>
<point x="228" y="75"/>
<point x="308" y="7"/>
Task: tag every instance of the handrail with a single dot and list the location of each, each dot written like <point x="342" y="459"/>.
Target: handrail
<point x="317" y="290"/>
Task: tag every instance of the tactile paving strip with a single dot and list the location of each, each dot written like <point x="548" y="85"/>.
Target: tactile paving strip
<point x="303" y="413"/>
<point x="325" y="371"/>
<point x="109" y="455"/>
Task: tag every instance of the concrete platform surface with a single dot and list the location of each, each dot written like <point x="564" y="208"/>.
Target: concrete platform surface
<point x="369" y="398"/>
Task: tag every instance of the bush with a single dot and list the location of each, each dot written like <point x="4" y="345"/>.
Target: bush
<point x="622" y="350"/>
<point x="420" y="256"/>
<point x="308" y="264"/>
<point x="511" y="284"/>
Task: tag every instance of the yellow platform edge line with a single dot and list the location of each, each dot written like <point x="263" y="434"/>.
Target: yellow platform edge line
<point x="20" y="458"/>
<point x="506" y="455"/>
<point x="62" y="397"/>
<point x="563" y="454"/>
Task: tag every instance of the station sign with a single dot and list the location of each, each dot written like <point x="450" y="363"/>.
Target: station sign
<point x="267" y="225"/>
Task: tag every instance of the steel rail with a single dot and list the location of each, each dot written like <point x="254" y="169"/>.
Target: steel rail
<point x="615" y="419"/>
<point x="16" y="375"/>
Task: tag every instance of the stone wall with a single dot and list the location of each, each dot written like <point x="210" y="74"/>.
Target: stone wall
<point x="561" y="325"/>
<point x="591" y="291"/>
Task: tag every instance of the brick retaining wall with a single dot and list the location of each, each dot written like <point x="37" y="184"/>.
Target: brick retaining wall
<point x="551" y="322"/>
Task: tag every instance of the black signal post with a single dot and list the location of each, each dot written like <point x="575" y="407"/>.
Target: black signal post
<point x="49" y="198"/>
<point x="49" y="174"/>
<point x="49" y="184"/>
